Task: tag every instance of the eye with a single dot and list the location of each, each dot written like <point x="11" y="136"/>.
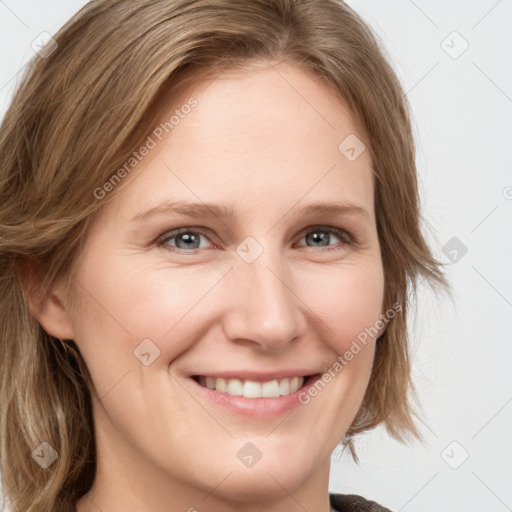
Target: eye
<point x="186" y="239"/>
<point x="189" y="240"/>
<point x="321" y="235"/>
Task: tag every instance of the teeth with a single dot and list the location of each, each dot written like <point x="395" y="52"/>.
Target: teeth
<point x="235" y="387"/>
<point x="270" y="389"/>
<point x="252" y="389"/>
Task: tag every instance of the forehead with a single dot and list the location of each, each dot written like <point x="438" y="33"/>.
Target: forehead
<point x="269" y="130"/>
<point x="260" y="100"/>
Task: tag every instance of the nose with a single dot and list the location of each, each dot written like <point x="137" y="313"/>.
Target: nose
<point x="263" y="308"/>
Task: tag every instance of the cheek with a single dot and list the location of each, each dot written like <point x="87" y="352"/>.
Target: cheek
<point x="348" y="299"/>
<point x="125" y="300"/>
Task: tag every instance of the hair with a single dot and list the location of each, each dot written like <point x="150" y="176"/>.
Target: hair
<point x="79" y="113"/>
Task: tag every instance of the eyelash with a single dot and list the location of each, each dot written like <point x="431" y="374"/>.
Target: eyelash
<point x="347" y="239"/>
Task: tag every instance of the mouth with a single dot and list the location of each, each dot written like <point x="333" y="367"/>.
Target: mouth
<point x="253" y="389"/>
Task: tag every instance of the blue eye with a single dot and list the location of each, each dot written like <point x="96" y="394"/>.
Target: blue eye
<point x="185" y="239"/>
<point x="323" y="235"/>
<point x="188" y="239"/>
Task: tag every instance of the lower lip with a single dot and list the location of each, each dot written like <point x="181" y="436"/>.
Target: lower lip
<point x="256" y="407"/>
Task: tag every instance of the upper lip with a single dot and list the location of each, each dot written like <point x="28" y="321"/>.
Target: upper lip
<point x="257" y="376"/>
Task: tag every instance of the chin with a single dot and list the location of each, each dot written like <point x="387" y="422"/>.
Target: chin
<point x="250" y="486"/>
<point x="270" y="479"/>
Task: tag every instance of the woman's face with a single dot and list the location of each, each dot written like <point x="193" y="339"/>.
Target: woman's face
<point x="263" y="288"/>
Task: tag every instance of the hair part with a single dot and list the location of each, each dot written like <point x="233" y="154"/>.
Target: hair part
<point x="78" y="115"/>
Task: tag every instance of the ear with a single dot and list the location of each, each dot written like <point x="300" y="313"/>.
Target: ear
<point x="49" y="309"/>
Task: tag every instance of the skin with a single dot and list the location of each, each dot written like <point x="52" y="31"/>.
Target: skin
<point x="264" y="142"/>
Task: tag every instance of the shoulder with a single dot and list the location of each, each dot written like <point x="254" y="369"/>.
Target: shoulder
<point x="355" y="503"/>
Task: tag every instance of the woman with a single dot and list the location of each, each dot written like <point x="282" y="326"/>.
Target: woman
<point x="209" y="232"/>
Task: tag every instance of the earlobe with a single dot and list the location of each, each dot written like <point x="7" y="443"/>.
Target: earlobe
<point x="53" y="317"/>
<point x="49" y="309"/>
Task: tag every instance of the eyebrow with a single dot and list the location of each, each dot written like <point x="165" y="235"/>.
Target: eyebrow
<point x="201" y="210"/>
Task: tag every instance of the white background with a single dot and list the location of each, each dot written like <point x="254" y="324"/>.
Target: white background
<point x="462" y="351"/>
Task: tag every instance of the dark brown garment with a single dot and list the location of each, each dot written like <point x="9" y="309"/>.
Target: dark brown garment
<point x="354" y="503"/>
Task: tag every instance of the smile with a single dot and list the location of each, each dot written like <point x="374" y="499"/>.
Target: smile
<point x="252" y="389"/>
<point x="263" y="398"/>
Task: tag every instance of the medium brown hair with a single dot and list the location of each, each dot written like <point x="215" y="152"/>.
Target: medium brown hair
<point x="78" y="115"/>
